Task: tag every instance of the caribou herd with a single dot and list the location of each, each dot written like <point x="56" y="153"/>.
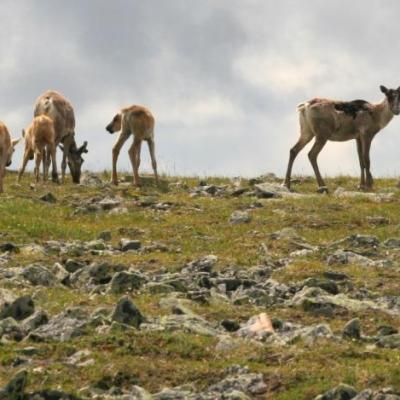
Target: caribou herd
<point x="53" y="126"/>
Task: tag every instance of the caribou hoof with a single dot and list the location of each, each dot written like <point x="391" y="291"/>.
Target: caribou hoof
<point x="322" y="189"/>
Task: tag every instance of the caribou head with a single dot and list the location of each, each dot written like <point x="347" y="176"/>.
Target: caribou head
<point x="75" y="160"/>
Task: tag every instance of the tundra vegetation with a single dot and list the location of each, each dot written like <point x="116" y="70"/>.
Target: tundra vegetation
<point x="108" y="289"/>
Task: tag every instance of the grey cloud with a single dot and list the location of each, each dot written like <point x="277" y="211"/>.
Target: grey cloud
<point x="223" y="78"/>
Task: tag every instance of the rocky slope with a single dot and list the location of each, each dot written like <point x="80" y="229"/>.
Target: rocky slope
<point x="221" y="289"/>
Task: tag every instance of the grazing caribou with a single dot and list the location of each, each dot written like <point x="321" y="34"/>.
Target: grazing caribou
<point x="138" y="121"/>
<point x="60" y="110"/>
<point x="6" y="151"/>
<point x="40" y="143"/>
<point x="340" y="121"/>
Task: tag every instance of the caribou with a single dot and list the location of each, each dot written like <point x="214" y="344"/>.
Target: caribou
<point x="40" y="142"/>
<point x="60" y="110"/>
<point x="138" y="121"/>
<point x="7" y="146"/>
<point x="339" y="121"/>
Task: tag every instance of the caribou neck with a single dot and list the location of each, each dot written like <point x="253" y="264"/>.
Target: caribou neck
<point x="383" y="113"/>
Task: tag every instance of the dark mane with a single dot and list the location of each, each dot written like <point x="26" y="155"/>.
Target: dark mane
<point x="352" y="107"/>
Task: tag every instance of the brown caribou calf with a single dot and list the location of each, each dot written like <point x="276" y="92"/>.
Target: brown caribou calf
<point x="40" y="143"/>
<point x="139" y="122"/>
<point x="339" y="121"/>
<point x="6" y="151"/>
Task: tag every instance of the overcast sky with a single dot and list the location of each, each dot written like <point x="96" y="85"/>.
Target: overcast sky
<point x="222" y="77"/>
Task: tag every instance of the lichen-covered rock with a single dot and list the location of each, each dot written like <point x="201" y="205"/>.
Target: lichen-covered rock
<point x="19" y="309"/>
<point x="127" y="313"/>
<point x="123" y="282"/>
<point x="340" y="392"/>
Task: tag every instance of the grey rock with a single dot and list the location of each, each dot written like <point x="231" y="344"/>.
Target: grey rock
<point x="91" y="180"/>
<point x="48" y="198"/>
<point x="123" y="282"/>
<point x="325" y="284"/>
<point x="352" y="329"/>
<point x="340" y="392"/>
<point x="10" y="328"/>
<point x="39" y="275"/>
<point x="389" y="341"/>
<point x="393" y="243"/>
<point x="385" y="330"/>
<point x="128" y="244"/>
<point x="204" y="264"/>
<point x="127" y="313"/>
<point x="72" y="265"/>
<point x="34" y="321"/>
<point x="239" y="217"/>
<point x="64" y="326"/>
<point x="19" y="309"/>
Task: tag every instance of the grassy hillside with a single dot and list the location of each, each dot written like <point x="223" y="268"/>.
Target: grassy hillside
<point x="175" y="227"/>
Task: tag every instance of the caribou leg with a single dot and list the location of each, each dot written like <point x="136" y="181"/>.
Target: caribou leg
<point x="362" y="165"/>
<point x="301" y="143"/>
<point x="122" y="138"/>
<point x="366" y="146"/>
<point x="312" y="155"/>
<point x="134" y="155"/>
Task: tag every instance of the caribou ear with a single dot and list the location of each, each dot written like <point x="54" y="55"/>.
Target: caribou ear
<point x="14" y="142"/>
<point x="383" y="89"/>
<point x="83" y="148"/>
<point x="23" y="133"/>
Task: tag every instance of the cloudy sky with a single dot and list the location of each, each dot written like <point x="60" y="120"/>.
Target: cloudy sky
<point x="222" y="77"/>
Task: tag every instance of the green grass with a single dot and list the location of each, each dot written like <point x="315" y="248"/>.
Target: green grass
<point x="195" y="227"/>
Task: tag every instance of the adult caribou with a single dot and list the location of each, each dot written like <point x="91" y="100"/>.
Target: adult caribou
<point x="339" y="121"/>
<point x="60" y="110"/>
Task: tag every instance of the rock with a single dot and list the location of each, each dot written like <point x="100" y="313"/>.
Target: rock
<point x="60" y="273"/>
<point x="48" y="198"/>
<point x="389" y="341"/>
<point x="352" y="329"/>
<point x="109" y="203"/>
<point x="10" y="329"/>
<point x="385" y="330"/>
<point x="239" y="217"/>
<point x="91" y="180"/>
<point x="101" y="273"/>
<point x="230" y="325"/>
<point x="240" y="379"/>
<point x="128" y="244"/>
<point x="340" y="392"/>
<point x="363" y="240"/>
<point x="373" y="197"/>
<point x="8" y="247"/>
<point x="204" y="264"/>
<point x="14" y="390"/>
<point x="318" y="301"/>
<point x="72" y="265"/>
<point x="393" y="243"/>
<point x="19" y="309"/>
<point x="378" y="220"/>
<point x="39" y="275"/>
<point x="348" y="257"/>
<point x="34" y="321"/>
<point x="123" y="282"/>
<point x="127" y="313"/>
<point x="64" y="326"/>
<point x="96" y="244"/>
<point x="269" y="190"/>
<point x="325" y="284"/>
